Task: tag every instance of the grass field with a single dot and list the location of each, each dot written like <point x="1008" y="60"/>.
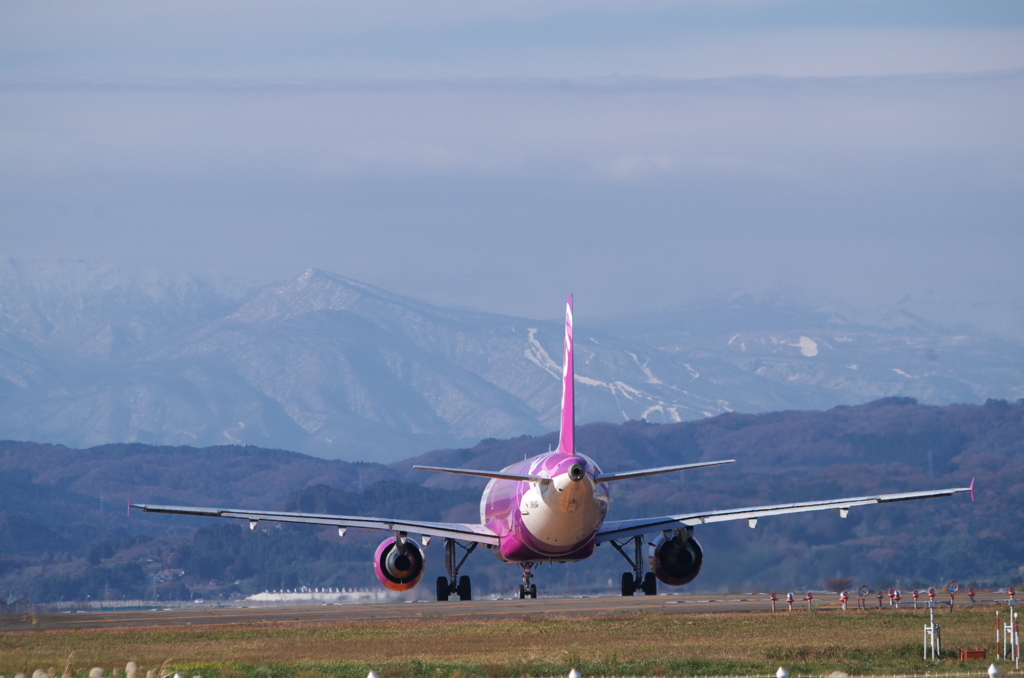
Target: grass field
<point x="879" y="642"/>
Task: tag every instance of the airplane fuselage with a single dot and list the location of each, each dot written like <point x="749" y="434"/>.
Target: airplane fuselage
<point x="552" y="521"/>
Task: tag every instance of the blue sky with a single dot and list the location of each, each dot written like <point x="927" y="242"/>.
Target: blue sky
<point x="498" y="155"/>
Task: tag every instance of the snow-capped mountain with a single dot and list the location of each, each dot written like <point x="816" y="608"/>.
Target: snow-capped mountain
<point x="836" y="354"/>
<point x="330" y="366"/>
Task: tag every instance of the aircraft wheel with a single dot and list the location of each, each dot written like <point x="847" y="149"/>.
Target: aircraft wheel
<point x="627" y="584"/>
<point x="442" y="588"/>
<point x="465" y="589"/>
<point x="522" y="592"/>
<point x="650" y="584"/>
<point x="533" y="591"/>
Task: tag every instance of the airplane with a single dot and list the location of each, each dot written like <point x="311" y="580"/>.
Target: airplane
<point x="546" y="509"/>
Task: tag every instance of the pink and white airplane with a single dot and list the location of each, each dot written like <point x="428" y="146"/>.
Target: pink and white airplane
<point x="550" y="508"/>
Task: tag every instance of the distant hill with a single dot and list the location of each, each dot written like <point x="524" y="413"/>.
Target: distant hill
<point x="64" y="530"/>
<point x="329" y="366"/>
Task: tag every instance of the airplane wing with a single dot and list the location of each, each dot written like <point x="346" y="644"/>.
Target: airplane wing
<point x="480" y="534"/>
<point x="625" y="529"/>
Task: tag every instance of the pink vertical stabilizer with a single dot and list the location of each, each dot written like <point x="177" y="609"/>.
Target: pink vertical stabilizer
<point x="567" y="434"/>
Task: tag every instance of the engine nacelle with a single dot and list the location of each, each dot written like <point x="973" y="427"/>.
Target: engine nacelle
<point x="399" y="567"/>
<point x="674" y="561"/>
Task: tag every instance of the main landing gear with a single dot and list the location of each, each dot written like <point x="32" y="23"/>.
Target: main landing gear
<point x="453" y="583"/>
<point x="526" y="589"/>
<point x="636" y="580"/>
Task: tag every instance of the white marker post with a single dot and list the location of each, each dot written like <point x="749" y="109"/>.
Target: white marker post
<point x="932" y="634"/>
<point x="999" y="635"/>
<point x="1007" y="628"/>
<point x="1016" y="642"/>
<point x="1011" y="631"/>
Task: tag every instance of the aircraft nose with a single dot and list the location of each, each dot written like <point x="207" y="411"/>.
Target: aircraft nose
<point x="576" y="473"/>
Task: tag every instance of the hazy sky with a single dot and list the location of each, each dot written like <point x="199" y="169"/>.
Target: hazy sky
<point x="498" y="155"/>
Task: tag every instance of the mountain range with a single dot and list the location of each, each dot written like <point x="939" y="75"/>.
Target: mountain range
<point x="322" y="364"/>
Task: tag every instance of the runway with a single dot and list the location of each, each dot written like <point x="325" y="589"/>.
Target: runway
<point x="380" y="612"/>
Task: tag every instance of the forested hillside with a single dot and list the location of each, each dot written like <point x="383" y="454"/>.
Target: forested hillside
<point x="65" y="533"/>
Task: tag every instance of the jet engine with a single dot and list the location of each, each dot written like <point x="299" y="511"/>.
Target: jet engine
<point x="675" y="561"/>
<point x="398" y="563"/>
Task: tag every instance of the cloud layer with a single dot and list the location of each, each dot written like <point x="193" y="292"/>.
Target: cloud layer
<point x="496" y="155"/>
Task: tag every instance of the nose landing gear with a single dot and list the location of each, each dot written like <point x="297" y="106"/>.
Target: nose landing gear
<point x="526" y="589"/>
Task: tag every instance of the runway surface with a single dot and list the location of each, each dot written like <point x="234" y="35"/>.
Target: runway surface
<point x="493" y="609"/>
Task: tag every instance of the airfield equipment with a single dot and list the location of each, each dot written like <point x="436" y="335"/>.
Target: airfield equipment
<point x="932" y="634"/>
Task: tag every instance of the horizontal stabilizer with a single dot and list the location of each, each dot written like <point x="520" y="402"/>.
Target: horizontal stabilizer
<point x="487" y="474"/>
<point x="607" y="477"/>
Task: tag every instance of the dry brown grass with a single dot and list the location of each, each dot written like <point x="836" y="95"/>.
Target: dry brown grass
<point x="635" y="643"/>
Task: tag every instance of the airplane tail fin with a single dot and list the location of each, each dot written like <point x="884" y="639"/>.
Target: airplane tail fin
<point x="567" y="433"/>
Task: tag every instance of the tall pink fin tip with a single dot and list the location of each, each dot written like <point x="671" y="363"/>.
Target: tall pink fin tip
<point x="567" y="433"/>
